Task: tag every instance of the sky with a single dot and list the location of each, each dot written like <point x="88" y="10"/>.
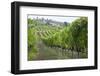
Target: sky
<point x="68" y="19"/>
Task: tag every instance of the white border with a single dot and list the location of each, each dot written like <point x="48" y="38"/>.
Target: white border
<point x="26" y="65"/>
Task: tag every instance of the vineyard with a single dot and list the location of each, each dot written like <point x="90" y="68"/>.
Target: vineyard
<point x="66" y="41"/>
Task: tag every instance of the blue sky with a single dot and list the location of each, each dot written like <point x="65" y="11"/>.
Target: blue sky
<point x="56" y="18"/>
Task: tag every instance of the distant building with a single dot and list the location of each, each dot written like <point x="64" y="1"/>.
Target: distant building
<point x="50" y="22"/>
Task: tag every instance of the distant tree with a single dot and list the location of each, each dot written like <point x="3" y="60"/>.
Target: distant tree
<point x="30" y="21"/>
<point x="65" y="23"/>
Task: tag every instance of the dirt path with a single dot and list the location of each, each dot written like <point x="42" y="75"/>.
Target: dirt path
<point x="48" y="53"/>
